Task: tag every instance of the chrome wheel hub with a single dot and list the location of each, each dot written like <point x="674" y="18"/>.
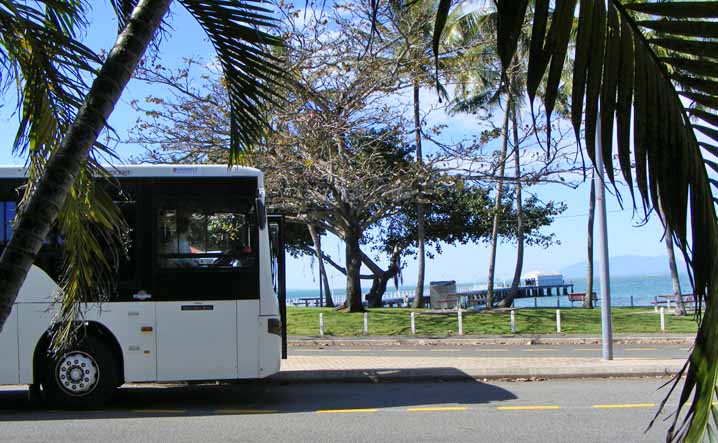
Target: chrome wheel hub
<point x="77" y="373"/>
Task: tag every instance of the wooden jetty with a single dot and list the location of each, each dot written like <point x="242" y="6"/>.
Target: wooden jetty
<point x="478" y="297"/>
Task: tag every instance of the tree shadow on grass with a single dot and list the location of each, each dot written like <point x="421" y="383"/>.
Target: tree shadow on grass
<point x="359" y="389"/>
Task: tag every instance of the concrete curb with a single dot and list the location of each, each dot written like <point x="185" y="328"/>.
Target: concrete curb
<point x="521" y="340"/>
<point x="450" y="374"/>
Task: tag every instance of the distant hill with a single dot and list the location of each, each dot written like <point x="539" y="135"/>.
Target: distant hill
<point x="624" y="265"/>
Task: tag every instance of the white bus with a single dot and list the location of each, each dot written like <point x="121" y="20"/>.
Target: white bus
<point x="195" y="295"/>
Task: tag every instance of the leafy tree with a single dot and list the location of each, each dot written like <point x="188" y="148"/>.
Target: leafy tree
<point x="300" y="159"/>
<point x="61" y="118"/>
<point x="411" y="23"/>
<point x="458" y="212"/>
<point x="618" y="69"/>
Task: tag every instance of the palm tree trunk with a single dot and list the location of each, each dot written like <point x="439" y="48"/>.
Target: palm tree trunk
<point x="513" y="291"/>
<point x="497" y="207"/>
<point x="680" y="306"/>
<point x="421" y="263"/>
<point x="588" y="299"/>
<point x="677" y="293"/>
<point x="317" y="240"/>
<point x="40" y="211"/>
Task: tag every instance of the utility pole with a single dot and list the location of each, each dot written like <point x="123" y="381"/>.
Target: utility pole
<point x="602" y="231"/>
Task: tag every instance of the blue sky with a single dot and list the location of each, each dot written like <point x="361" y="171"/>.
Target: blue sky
<point x="464" y="263"/>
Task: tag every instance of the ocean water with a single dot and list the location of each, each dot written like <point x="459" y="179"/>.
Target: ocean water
<point x="639" y="290"/>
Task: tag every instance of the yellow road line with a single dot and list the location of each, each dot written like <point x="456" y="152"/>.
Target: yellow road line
<point x="495" y="350"/>
<point x="684" y="349"/>
<point x="444" y="350"/>
<point x="625" y="406"/>
<point x="439" y="408"/>
<point x="639" y="349"/>
<point x="528" y="408"/>
<point x="539" y="350"/>
<point x="344" y="411"/>
<point x="401" y="350"/>
<point x="158" y="411"/>
<point x="587" y="349"/>
<point x="245" y="411"/>
<point x="354" y="350"/>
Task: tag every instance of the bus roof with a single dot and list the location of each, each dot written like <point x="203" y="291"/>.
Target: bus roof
<point x="174" y="170"/>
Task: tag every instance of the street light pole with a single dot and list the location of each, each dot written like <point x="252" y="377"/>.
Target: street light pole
<point x="606" y="328"/>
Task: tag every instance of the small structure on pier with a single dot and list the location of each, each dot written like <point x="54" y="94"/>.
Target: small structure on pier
<point x="536" y="284"/>
<point x="538" y="279"/>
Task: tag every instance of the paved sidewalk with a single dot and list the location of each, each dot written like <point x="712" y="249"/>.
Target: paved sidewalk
<point x="406" y="368"/>
<point x="380" y="368"/>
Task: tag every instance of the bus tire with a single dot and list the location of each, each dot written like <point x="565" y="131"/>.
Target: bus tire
<point x="84" y="376"/>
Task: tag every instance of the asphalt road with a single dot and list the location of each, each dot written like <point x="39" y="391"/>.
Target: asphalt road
<point x="594" y="410"/>
<point x="659" y="351"/>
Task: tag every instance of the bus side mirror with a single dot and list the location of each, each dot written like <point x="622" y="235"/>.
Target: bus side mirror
<point x="261" y="213"/>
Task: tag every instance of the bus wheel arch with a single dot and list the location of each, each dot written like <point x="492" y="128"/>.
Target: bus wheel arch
<point x="103" y="347"/>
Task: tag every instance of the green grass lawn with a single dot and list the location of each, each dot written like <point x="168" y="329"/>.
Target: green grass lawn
<point x="395" y="321"/>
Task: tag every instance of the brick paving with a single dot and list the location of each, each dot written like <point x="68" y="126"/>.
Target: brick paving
<point x="344" y="368"/>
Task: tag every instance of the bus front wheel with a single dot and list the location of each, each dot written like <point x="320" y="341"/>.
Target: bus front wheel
<point x="84" y="376"/>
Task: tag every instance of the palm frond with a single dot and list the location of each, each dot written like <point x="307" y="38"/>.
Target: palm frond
<point x="236" y="31"/>
<point x="632" y="64"/>
<point x="47" y="65"/>
<point x="94" y="234"/>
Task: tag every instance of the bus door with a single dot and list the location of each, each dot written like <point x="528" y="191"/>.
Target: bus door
<point x="279" y="276"/>
<point x="205" y="260"/>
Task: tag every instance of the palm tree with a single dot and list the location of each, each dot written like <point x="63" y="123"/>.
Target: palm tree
<point x="516" y="281"/>
<point x="675" y="281"/>
<point x="618" y="67"/>
<point x="412" y="22"/>
<point x="77" y="115"/>
<point x="588" y="297"/>
<point x="479" y="86"/>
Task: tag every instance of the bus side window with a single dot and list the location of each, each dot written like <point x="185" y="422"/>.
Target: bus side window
<point x="206" y="247"/>
<point x="8" y="209"/>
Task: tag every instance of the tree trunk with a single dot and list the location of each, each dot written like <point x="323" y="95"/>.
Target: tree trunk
<point x="317" y="240"/>
<point x="381" y="277"/>
<point x="353" y="264"/>
<point x="421" y="256"/>
<point x="680" y="306"/>
<point x="513" y="292"/>
<point x="588" y="299"/>
<point x="40" y="211"/>
<point x="677" y="293"/>
<point x="378" y="288"/>
<point x="497" y="208"/>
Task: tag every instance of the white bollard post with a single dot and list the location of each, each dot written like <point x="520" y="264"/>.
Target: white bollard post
<point x="413" y="324"/>
<point x="461" y="322"/>
<point x="558" y="320"/>
<point x="366" y="323"/>
<point x="513" y="322"/>
<point x="321" y="324"/>
<point x="663" y="319"/>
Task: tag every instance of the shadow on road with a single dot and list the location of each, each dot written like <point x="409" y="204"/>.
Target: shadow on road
<point x="273" y="395"/>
